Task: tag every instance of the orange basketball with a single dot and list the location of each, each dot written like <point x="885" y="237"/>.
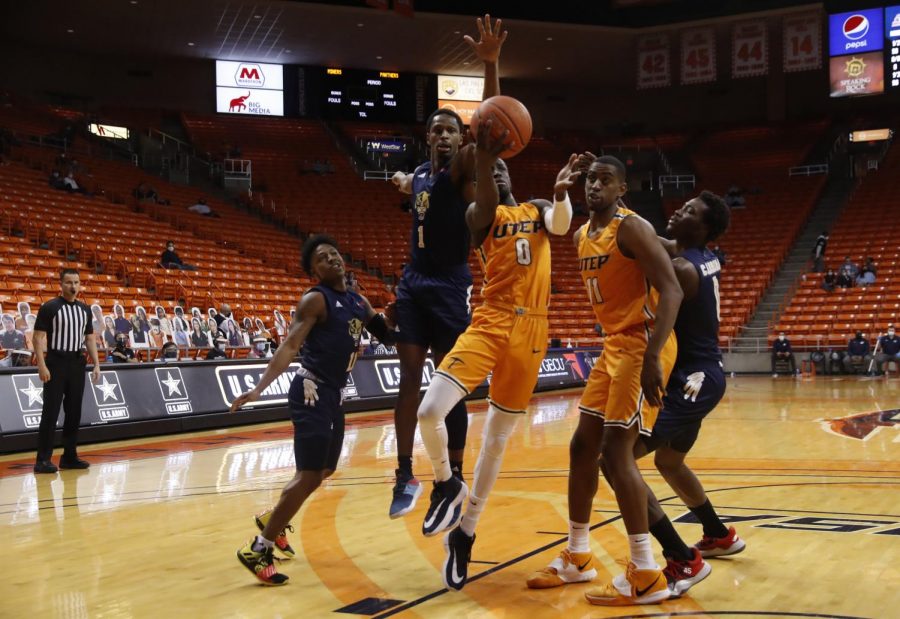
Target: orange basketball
<point x="506" y="113"/>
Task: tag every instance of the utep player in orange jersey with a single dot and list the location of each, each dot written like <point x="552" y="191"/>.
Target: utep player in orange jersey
<point x="508" y="336"/>
<point x="635" y="295"/>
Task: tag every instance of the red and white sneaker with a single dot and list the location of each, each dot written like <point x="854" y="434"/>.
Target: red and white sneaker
<point x="731" y="544"/>
<point x="682" y="575"/>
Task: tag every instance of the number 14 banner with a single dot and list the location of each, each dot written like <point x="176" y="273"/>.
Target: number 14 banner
<point x="749" y="49"/>
<point x="698" y="56"/>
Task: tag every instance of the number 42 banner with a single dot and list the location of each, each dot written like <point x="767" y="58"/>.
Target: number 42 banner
<point x="749" y="49"/>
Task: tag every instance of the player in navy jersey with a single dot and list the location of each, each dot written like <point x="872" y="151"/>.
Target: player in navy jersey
<point x="326" y="331"/>
<point x="432" y="306"/>
<point x="695" y="387"/>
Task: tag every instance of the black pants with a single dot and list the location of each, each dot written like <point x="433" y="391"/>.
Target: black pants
<point x="792" y="363"/>
<point x="66" y="388"/>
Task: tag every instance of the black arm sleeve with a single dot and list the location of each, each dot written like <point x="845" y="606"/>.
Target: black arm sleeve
<point x="378" y="327"/>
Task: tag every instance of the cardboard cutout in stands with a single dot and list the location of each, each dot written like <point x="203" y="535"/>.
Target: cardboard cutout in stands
<point x="123" y="325"/>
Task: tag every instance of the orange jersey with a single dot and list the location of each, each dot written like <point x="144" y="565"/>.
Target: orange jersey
<point x="617" y="289"/>
<point x="515" y="257"/>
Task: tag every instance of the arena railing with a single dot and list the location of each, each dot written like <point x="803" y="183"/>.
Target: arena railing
<point x="808" y="170"/>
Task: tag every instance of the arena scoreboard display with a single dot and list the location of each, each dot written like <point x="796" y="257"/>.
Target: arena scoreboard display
<point x="353" y="94"/>
<point x="864" y="50"/>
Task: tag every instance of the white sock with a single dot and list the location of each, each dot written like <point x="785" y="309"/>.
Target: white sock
<point x="642" y="552"/>
<point x="497" y="429"/>
<point x="261" y="543"/>
<point x="579" y="536"/>
<point x="473" y="512"/>
<point x="441" y="396"/>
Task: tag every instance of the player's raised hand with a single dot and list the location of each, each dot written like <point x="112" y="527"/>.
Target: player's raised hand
<point x="243" y="399"/>
<point x="585" y="160"/>
<point x="567" y="176"/>
<point x="489" y="145"/>
<point x="490" y="39"/>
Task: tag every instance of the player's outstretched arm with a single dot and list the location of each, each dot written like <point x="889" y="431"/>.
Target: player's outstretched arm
<point x="558" y="216"/>
<point x="403" y="181"/>
<point x="310" y="310"/>
<point x="378" y="326"/>
<point x="637" y="238"/>
<point x="480" y="214"/>
<point x="487" y="48"/>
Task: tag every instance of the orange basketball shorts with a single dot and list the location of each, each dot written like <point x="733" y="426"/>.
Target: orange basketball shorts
<point x="508" y="341"/>
<point x="613" y="391"/>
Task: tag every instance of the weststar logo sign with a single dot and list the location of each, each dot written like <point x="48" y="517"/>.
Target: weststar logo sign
<point x="251" y="75"/>
<point x="862" y="426"/>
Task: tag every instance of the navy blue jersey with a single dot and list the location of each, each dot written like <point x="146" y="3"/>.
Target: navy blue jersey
<point x="331" y="347"/>
<point x="440" y="237"/>
<point x="697" y="324"/>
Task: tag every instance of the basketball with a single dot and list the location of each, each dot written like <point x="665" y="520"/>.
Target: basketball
<point x="507" y="113"/>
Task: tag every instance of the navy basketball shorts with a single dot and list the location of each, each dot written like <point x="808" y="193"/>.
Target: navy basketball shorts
<point x="433" y="310"/>
<point x="318" y="429"/>
<point x="691" y="394"/>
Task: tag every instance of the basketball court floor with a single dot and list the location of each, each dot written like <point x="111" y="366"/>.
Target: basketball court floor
<point x="807" y="470"/>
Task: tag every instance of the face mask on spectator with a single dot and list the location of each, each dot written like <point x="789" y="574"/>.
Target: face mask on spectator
<point x="891" y="332"/>
<point x="120" y="342"/>
<point x="859" y="335"/>
<point x="781" y="337"/>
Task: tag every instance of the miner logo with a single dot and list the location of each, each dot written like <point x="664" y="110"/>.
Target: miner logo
<point x="855" y="67"/>
<point x="249" y="75"/>
<point x="422" y="204"/>
<point x="449" y="87"/>
<point x="862" y="426"/>
<point x="174" y="390"/>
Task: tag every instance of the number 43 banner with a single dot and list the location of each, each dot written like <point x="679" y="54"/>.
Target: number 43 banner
<point x="698" y="56"/>
<point x="749" y="49"/>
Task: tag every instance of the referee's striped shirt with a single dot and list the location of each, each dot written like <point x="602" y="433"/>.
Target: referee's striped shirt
<point x="66" y="324"/>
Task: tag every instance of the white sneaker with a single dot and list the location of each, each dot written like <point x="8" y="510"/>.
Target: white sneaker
<point x="568" y="567"/>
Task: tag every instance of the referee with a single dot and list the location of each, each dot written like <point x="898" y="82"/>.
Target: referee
<point x="60" y="331"/>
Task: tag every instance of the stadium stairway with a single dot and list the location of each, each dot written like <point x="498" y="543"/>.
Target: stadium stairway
<point x="834" y="196"/>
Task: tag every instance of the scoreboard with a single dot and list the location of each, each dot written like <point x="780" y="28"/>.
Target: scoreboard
<point x="864" y="50"/>
<point x="353" y="94"/>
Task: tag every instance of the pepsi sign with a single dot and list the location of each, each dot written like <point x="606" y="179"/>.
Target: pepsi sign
<point x="855" y="32"/>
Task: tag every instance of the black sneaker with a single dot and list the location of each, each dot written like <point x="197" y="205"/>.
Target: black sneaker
<point x="459" y="552"/>
<point x="44" y="466"/>
<point x="261" y="564"/>
<point x="442" y="513"/>
<point x="73" y="463"/>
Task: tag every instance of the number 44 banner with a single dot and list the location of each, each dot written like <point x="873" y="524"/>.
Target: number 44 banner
<point x="749" y="49"/>
<point x="698" y="56"/>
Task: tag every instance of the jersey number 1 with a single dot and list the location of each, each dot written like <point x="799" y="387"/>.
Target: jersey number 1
<point x="593" y="290"/>
<point x="421" y="230"/>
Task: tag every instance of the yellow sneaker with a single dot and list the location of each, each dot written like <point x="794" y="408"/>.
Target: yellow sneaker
<point x="637" y="587"/>
<point x="568" y="567"/>
<point x="281" y="541"/>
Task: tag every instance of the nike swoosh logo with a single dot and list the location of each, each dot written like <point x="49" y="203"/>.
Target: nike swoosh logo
<point x="641" y="592"/>
<point x="586" y="563"/>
